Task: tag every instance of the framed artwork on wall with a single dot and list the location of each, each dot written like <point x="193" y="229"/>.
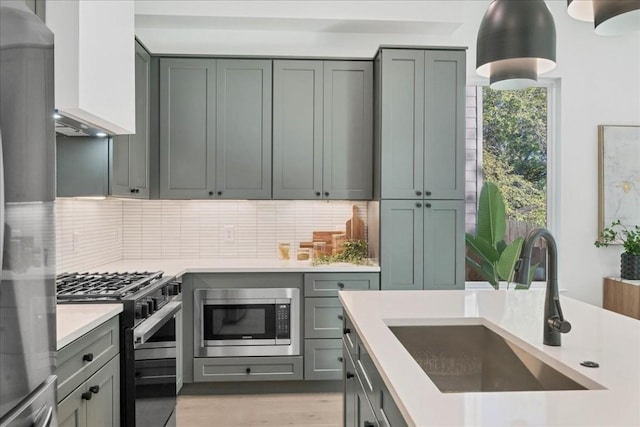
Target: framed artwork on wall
<point x="619" y="175"/>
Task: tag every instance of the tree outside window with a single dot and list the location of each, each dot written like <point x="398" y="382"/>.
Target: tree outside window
<point x="513" y="143"/>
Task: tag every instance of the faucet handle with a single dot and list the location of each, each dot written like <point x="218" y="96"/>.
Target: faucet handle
<point x="558" y="322"/>
<point x="556" y="301"/>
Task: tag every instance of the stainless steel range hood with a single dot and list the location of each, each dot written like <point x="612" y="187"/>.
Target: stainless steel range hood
<point x="71" y="127"/>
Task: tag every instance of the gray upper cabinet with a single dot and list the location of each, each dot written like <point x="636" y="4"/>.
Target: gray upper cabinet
<point x="348" y="130"/>
<point x="323" y="142"/>
<point x="243" y="129"/>
<point x="402" y="129"/>
<point x="215" y="129"/>
<point x="422" y="129"/>
<point x="187" y="128"/>
<point x="297" y="129"/>
<point x="130" y="176"/>
<point x="444" y="153"/>
<point x="423" y="244"/>
<point x="82" y="166"/>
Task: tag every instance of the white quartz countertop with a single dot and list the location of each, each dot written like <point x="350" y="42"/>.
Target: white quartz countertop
<point x="610" y="339"/>
<point x="75" y="320"/>
<point x="178" y="267"/>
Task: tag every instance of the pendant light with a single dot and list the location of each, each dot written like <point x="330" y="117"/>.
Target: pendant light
<point x="516" y="42"/>
<point x="610" y="17"/>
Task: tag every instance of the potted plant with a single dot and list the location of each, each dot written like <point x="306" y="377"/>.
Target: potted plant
<point x="630" y="240"/>
<point x="492" y="257"/>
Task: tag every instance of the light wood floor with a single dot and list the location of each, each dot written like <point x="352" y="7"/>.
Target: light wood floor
<point x="299" y="409"/>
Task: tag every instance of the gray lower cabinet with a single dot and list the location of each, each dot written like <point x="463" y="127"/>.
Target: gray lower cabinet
<point x="323" y="359"/>
<point x="323" y="130"/>
<point x="367" y="400"/>
<point x="215" y="128"/>
<point x="421" y="138"/>
<point x="96" y="402"/>
<point x="329" y="284"/>
<point x="89" y="379"/>
<point x="423" y="244"/>
<point x="323" y="320"/>
<point x="209" y="369"/>
<point x="130" y="166"/>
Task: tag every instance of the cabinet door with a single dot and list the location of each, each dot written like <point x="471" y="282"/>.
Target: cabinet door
<point x="444" y="152"/>
<point x="297" y="129"/>
<point x="322" y="318"/>
<point x="130" y="153"/>
<point x="401" y="252"/>
<point x="348" y="130"/>
<point x="323" y="359"/>
<point x="187" y="128"/>
<point x="103" y="409"/>
<point x="72" y="410"/>
<point x="243" y="129"/>
<point x="402" y="124"/>
<point x="444" y="244"/>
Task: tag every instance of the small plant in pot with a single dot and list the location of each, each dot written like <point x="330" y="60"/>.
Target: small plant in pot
<point x="629" y="237"/>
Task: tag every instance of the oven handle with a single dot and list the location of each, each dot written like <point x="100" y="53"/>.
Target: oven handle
<point x="152" y="324"/>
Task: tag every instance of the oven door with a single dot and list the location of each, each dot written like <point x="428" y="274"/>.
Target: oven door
<point x="155" y="367"/>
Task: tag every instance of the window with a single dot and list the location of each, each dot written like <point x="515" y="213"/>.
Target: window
<point x="507" y="138"/>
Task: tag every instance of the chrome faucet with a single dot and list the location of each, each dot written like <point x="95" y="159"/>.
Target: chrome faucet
<point x="554" y="322"/>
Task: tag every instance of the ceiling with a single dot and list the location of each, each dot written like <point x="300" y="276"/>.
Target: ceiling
<point x="300" y="28"/>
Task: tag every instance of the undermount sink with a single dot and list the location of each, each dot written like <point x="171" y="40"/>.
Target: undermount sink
<point x="472" y="358"/>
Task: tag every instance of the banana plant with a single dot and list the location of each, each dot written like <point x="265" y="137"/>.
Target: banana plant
<point x="495" y="260"/>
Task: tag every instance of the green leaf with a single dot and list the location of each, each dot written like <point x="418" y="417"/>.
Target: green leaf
<point x="508" y="259"/>
<point x="501" y="246"/>
<point x="486" y="270"/>
<point x="491" y="215"/>
<point x="482" y="248"/>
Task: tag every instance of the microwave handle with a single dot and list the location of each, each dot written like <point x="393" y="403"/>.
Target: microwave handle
<point x="151" y="325"/>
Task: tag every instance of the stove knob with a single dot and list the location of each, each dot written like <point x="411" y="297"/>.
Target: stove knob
<point x="154" y="303"/>
<point x="144" y="311"/>
<point x="138" y="312"/>
<point x="175" y="288"/>
<point x="150" y="305"/>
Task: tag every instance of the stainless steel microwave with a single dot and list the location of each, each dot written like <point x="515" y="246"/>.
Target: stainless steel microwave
<point x="246" y="322"/>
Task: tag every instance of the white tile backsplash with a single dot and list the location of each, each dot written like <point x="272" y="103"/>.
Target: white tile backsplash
<point x="112" y="229"/>
<point x="88" y="233"/>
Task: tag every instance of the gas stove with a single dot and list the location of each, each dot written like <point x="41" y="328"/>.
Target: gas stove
<point x="150" y="303"/>
<point x="141" y="293"/>
<point x="103" y="285"/>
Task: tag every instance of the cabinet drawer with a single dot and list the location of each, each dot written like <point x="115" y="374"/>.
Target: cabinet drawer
<point x="323" y="359"/>
<point x="247" y="368"/>
<point x="328" y="284"/>
<point x="84" y="356"/>
<point x="322" y="318"/>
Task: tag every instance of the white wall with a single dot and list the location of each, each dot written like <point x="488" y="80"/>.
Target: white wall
<point x="598" y="80"/>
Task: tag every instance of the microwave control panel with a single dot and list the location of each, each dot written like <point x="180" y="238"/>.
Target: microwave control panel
<point x="283" y="321"/>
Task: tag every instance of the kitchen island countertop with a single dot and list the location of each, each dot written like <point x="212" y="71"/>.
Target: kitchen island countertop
<point x="75" y="320"/>
<point x="598" y="335"/>
<point x="178" y="267"/>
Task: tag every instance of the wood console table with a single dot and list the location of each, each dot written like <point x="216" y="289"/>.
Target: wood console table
<point x="622" y="296"/>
